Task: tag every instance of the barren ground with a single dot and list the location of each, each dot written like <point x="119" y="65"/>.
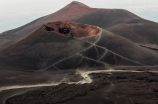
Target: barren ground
<point x="115" y="88"/>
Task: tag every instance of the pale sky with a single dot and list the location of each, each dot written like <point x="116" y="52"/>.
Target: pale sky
<point x="15" y="13"/>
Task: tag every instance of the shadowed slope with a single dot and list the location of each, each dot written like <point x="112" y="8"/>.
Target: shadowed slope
<point x="56" y="49"/>
<point x="125" y="24"/>
<point x="139" y="31"/>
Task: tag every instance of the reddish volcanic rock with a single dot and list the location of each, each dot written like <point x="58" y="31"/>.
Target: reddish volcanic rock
<point x="71" y="29"/>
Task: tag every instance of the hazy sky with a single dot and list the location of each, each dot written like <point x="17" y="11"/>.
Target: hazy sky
<point x="15" y="13"/>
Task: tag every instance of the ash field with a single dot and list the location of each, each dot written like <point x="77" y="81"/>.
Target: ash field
<point x="80" y="55"/>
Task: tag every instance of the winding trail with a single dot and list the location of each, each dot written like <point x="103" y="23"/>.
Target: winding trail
<point x="84" y="74"/>
<point x="86" y="79"/>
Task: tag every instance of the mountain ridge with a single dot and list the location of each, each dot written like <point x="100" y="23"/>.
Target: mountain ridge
<point x="71" y="14"/>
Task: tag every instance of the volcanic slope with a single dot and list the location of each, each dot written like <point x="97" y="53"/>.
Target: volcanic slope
<point x="64" y="45"/>
<point x="118" y="21"/>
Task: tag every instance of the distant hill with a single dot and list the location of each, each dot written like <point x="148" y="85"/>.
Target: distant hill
<point x="118" y="21"/>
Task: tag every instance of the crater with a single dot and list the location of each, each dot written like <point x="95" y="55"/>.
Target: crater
<point x="48" y="28"/>
<point x="75" y="2"/>
<point x="69" y="29"/>
<point x="64" y="30"/>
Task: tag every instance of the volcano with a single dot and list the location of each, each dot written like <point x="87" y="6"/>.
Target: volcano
<point x="90" y="37"/>
<point x="118" y="21"/>
<point x="66" y="45"/>
<point x="80" y="55"/>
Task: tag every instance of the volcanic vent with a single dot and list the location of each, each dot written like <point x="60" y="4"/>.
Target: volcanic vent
<point x="71" y="29"/>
